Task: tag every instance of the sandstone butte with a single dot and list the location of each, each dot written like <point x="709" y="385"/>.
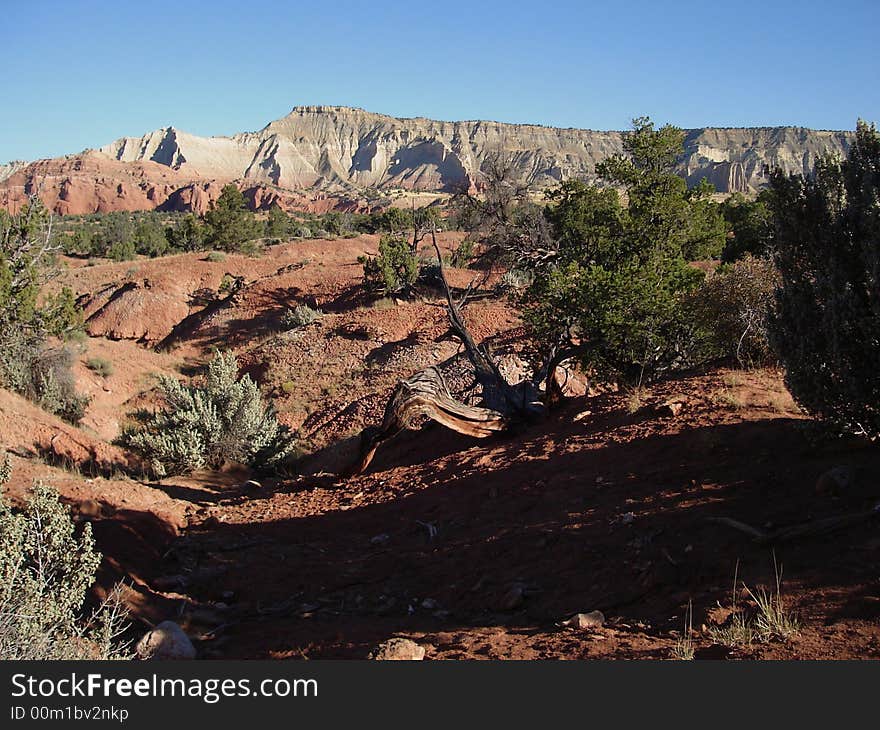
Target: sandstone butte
<point x="327" y="157"/>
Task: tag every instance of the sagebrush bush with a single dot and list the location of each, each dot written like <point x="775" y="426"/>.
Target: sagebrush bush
<point x="516" y="280"/>
<point x="42" y="374"/>
<point x="299" y="316"/>
<point x="204" y="425"/>
<point x="100" y="366"/>
<point x="826" y="328"/>
<point x="733" y="307"/>
<point x="46" y="569"/>
<point x="216" y="257"/>
<point x="5" y="467"/>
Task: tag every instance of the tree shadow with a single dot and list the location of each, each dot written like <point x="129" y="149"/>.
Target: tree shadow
<point x="570" y="523"/>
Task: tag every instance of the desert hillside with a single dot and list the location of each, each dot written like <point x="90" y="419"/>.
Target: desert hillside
<point x="470" y="548"/>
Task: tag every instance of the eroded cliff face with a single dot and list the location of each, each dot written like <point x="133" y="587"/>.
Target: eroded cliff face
<point x="316" y="151"/>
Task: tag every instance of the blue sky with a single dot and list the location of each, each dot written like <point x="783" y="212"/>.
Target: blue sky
<point x="80" y="73"/>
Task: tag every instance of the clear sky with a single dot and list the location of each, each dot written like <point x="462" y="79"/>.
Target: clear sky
<point x="80" y="73"/>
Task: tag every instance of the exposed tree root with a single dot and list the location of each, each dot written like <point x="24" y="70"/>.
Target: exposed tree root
<point x="811" y="528"/>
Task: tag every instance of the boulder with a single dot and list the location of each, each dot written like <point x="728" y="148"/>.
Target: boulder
<point x="166" y="641"/>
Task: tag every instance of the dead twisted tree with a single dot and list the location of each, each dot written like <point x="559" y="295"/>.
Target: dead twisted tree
<point x="513" y="231"/>
<point x="426" y="394"/>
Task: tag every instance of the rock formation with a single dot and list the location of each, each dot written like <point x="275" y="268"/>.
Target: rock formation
<point x="319" y="153"/>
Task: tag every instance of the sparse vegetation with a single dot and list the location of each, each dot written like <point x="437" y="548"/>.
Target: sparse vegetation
<point x="46" y="569"/>
<point x="203" y="425"/>
<point x="635" y="398"/>
<point x="771" y="618"/>
<point x="684" y="646"/>
<point x="100" y="366"/>
<point x="394" y="270"/>
<point x="733" y="307"/>
<point x="299" y="316"/>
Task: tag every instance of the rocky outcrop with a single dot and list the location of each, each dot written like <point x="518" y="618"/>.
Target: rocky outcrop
<point x="338" y="150"/>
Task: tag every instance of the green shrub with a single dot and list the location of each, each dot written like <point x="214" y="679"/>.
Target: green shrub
<point x="228" y="222"/>
<point x="516" y="280"/>
<point x="122" y="250"/>
<point x="204" y="425"/>
<point x="733" y="307"/>
<point x="100" y="366"/>
<point x="463" y="254"/>
<point x="27" y="365"/>
<point x="149" y="239"/>
<point x="216" y="257"/>
<point x="751" y="226"/>
<point x="46" y="569"/>
<point x="826" y="328"/>
<point x="42" y="374"/>
<point x="299" y="316"/>
<point x="187" y="234"/>
<point x="394" y="270"/>
<point x="254" y="249"/>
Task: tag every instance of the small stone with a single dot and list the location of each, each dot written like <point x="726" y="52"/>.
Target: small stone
<point x="166" y="641"/>
<point x="591" y="620"/>
<point x="670" y="409"/>
<point x="429" y="604"/>
<point x="398" y="649"/>
<point x="380" y="539"/>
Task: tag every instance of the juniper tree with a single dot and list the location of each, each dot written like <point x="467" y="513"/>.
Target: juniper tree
<point x="827" y="248"/>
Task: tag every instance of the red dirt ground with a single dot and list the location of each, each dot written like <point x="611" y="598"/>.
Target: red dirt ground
<point x="474" y="549"/>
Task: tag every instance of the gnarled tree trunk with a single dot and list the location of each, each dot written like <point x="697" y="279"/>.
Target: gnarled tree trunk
<point x="426" y="394"/>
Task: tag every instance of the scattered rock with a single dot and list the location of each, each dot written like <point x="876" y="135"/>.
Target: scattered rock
<point x="835" y="481"/>
<point x="671" y="407"/>
<point x="398" y="649"/>
<point x="166" y="641"/>
<point x="591" y="620"/>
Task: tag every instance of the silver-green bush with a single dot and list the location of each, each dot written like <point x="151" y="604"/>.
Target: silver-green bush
<point x="45" y="571"/>
<point x="204" y="425"/>
<point x="299" y="316"/>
